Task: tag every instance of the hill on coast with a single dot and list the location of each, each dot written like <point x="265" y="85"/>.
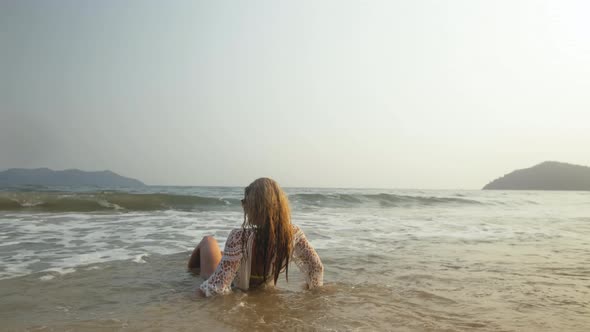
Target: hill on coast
<point x="70" y="177"/>
<point x="549" y="175"/>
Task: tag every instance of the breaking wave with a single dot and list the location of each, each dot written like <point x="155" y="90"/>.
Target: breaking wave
<point x="120" y="201"/>
<point x="382" y="200"/>
<point x="88" y="202"/>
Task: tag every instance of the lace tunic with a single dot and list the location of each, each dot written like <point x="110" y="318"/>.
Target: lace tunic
<point x="303" y="254"/>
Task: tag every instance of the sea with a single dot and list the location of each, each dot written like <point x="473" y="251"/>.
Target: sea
<point x="90" y="259"/>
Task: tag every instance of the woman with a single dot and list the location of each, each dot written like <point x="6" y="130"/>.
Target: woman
<point x="258" y="252"/>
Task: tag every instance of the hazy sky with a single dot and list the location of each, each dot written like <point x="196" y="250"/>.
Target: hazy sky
<point x="402" y="94"/>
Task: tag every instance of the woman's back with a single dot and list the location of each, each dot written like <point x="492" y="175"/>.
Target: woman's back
<point x="238" y="263"/>
<point x="257" y="273"/>
<point x="261" y="249"/>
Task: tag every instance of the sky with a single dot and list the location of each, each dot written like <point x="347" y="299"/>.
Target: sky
<point x="373" y="94"/>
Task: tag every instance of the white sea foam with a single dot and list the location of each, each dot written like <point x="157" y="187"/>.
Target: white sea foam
<point x="61" y="270"/>
<point x="107" y="204"/>
<point x="68" y="240"/>
<point x="6" y="244"/>
<point x="139" y="258"/>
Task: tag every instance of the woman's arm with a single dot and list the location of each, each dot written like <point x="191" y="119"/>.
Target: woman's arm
<point x="307" y="259"/>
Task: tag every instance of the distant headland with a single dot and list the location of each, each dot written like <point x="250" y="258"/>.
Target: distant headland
<point x="549" y="175"/>
<point x="69" y="177"/>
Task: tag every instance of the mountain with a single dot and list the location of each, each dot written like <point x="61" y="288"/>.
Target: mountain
<point x="70" y="177"/>
<point x="549" y="175"/>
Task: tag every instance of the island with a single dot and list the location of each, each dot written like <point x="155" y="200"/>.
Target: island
<point x="549" y="175"/>
<point x="69" y="177"/>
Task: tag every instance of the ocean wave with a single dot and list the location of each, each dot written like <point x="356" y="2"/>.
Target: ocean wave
<point x="382" y="200"/>
<point x="119" y="201"/>
<point x="105" y="201"/>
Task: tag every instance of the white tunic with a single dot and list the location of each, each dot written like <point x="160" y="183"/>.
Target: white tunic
<point x="235" y="266"/>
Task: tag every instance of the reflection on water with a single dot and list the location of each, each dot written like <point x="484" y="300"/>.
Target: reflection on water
<point x="159" y="295"/>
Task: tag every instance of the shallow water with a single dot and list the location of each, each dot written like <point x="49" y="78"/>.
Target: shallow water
<point x="394" y="260"/>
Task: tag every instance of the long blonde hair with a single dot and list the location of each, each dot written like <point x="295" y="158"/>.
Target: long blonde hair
<point x="266" y="211"/>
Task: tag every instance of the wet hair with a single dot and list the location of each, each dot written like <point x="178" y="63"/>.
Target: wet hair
<point x="266" y="211"/>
